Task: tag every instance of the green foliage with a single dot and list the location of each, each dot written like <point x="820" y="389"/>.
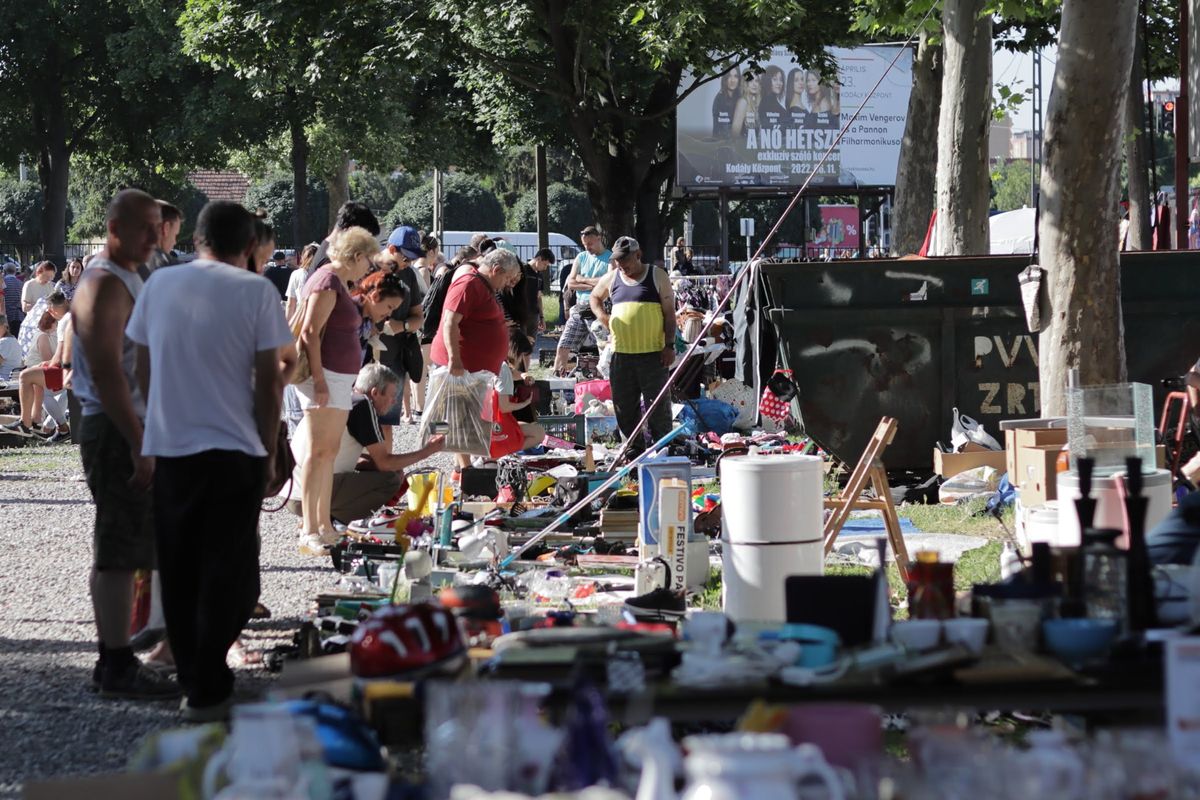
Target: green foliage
<point x="274" y="193"/>
<point x="380" y="190"/>
<point x="603" y="78"/>
<point x="568" y="210"/>
<point x="20" y="212"/>
<point x="468" y="206"/>
<point x="515" y="174"/>
<point x="94" y="184"/>
<point x="1010" y="185"/>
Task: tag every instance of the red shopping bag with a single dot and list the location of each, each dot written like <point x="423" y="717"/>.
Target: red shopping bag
<point x="507" y="437"/>
<point x="599" y="389"/>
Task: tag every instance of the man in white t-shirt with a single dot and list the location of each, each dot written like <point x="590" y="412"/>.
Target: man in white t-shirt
<point x="213" y="353"/>
<point x="366" y="473"/>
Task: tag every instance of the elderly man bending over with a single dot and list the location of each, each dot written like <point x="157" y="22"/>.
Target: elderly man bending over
<point x="366" y="473"/>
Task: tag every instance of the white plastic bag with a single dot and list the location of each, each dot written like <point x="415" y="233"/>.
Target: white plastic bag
<point x="604" y="364"/>
<point x="964" y="429"/>
<point x="458" y="401"/>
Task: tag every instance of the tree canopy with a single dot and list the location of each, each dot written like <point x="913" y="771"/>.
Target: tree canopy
<point x="603" y="78"/>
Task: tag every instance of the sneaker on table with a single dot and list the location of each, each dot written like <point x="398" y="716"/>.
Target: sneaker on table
<point x="658" y="604"/>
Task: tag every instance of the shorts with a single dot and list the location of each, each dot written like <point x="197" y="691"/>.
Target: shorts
<point x="576" y="332"/>
<point x="341" y="386"/>
<point x="124" y="532"/>
<point x="54" y="378"/>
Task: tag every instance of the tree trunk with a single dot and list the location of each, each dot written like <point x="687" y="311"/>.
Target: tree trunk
<point x="1137" y="155"/>
<point x="299" y="173"/>
<point x="339" y="188"/>
<point x="963" y="126"/>
<point x="613" y="206"/>
<point x="54" y="171"/>
<point x="916" y="174"/>
<point x="1080" y="188"/>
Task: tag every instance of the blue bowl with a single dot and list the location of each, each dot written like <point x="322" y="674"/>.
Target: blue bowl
<point x="1077" y="641"/>
<point x="819" y="645"/>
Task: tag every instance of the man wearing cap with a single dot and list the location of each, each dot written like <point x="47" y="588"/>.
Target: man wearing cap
<point x="642" y="323"/>
<point x="590" y="266"/>
<point x="401" y="332"/>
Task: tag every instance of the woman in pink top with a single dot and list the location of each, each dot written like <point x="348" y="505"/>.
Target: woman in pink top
<point x="329" y="336"/>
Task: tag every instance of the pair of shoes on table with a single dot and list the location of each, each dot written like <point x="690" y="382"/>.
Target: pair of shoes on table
<point x="137" y="681"/>
<point x="313" y="544"/>
<point x="217" y="712"/>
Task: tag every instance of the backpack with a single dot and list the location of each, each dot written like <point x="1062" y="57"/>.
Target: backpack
<point x="435" y="300"/>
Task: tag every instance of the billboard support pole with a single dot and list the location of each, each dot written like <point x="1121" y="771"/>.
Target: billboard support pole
<point x="862" y="229"/>
<point x="723" y="216"/>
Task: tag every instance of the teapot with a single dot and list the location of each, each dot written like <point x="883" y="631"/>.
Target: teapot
<point x="733" y="766"/>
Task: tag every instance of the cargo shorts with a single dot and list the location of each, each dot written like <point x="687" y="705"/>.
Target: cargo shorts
<point x="124" y="532"/>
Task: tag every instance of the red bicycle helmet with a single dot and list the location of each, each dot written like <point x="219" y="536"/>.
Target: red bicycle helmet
<point x="406" y="640"/>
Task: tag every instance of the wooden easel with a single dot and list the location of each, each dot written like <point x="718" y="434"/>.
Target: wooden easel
<point x="870" y="469"/>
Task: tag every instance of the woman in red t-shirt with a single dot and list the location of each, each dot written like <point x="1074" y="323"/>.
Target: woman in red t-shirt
<point x="472" y="335"/>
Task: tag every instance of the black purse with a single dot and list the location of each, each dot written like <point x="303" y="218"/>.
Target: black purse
<point x="285" y="465"/>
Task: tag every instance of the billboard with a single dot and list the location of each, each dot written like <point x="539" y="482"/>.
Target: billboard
<point x="769" y="124"/>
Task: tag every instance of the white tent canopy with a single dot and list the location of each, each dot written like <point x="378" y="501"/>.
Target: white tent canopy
<point x="1012" y="231"/>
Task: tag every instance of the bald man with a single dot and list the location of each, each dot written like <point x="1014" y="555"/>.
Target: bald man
<point x="111" y="427"/>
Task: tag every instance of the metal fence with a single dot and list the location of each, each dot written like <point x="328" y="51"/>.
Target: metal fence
<point x="28" y="253"/>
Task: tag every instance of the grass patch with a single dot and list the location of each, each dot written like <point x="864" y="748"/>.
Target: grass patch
<point x="709" y="596"/>
<point x="36" y="459"/>
<point x="965" y="519"/>
<point x="550" y="309"/>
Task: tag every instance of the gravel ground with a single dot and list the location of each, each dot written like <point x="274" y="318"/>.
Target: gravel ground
<point x="50" y="723"/>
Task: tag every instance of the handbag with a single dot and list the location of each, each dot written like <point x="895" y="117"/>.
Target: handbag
<point x="507" y="437"/>
<point x="302" y="371"/>
<point x="285" y="465"/>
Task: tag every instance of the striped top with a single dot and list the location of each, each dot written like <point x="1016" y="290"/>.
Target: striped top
<point x="637" y="315"/>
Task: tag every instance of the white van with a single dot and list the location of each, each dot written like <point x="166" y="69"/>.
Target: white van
<point x="525" y="243"/>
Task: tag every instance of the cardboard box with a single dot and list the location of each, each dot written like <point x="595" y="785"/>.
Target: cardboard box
<point x="950" y="464"/>
<point x="1014" y="440"/>
<point x="1037" y="478"/>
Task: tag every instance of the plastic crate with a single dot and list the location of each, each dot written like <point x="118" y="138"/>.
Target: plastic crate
<point x="570" y="427"/>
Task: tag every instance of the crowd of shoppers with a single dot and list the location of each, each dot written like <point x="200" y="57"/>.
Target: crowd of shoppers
<point x="179" y="440"/>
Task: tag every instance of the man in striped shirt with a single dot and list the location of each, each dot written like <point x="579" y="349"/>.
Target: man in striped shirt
<point x="642" y="324"/>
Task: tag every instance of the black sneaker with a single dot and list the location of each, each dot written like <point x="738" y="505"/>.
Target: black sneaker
<point x="17" y="428"/>
<point x="659" y="604"/>
<point x="138" y="682"/>
<point x="59" y="436"/>
<point x="97" y="674"/>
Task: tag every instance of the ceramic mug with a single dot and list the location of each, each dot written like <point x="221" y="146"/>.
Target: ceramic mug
<point x="970" y="632"/>
<point x="1016" y="624"/>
